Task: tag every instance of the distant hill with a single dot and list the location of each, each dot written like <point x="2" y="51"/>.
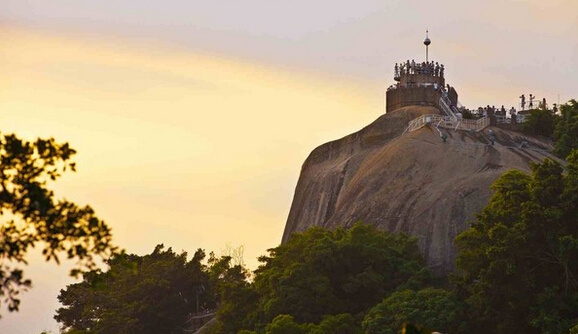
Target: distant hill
<point x="413" y="183"/>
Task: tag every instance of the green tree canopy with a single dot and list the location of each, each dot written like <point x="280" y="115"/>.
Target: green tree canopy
<point x="566" y="131"/>
<point x="323" y="272"/>
<point x="138" y="294"/>
<point x="517" y="264"/>
<point x="236" y="297"/>
<point x="540" y="122"/>
<point x="331" y="324"/>
<point x="328" y="272"/>
<point x="432" y="308"/>
<point x="31" y="216"/>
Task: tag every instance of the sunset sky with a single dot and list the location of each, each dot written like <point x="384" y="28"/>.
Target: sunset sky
<point x="192" y="119"/>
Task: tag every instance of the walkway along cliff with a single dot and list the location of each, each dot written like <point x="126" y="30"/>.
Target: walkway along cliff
<point x="419" y="169"/>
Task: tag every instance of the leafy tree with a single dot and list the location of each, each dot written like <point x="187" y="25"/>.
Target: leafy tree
<point x="138" y="294"/>
<point x="566" y="130"/>
<point x="338" y="324"/>
<point x="332" y="324"/>
<point x="517" y="264"/>
<point x="31" y="215"/>
<point x="432" y="308"/>
<point x="231" y="289"/>
<point x="323" y="272"/>
<point x="285" y="324"/>
<point x="540" y="122"/>
<point x="329" y="272"/>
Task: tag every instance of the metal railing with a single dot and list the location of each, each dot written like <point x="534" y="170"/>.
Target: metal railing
<point x="448" y="122"/>
<point x="445" y="106"/>
<point x="502" y="119"/>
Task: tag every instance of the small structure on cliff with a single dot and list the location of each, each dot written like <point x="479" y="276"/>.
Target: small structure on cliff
<point x="422" y="84"/>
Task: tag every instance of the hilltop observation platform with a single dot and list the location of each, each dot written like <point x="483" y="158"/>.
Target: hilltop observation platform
<point x="421" y="84"/>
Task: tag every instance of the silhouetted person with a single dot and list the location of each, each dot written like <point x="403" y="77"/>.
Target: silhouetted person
<point x="523" y="103"/>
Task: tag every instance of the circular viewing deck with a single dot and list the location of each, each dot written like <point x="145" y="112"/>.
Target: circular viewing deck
<point x="412" y="73"/>
<point x="420" y="84"/>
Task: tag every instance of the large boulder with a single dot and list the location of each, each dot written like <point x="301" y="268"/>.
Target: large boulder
<point x="408" y="182"/>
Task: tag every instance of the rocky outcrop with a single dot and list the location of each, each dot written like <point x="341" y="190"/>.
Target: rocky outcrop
<point x="413" y="183"/>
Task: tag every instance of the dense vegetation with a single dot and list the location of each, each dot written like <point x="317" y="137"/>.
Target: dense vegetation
<point x="155" y="293"/>
<point x="562" y="128"/>
<point x="518" y="268"/>
<point x="566" y="130"/>
<point x="138" y="294"/>
<point x="321" y="274"/>
<point x="321" y="281"/>
<point x="540" y="122"/>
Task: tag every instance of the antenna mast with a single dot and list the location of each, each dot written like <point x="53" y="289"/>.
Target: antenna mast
<point x="426" y="42"/>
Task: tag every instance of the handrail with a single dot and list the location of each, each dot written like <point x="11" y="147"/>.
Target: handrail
<point x="446" y="107"/>
<point x="447" y="122"/>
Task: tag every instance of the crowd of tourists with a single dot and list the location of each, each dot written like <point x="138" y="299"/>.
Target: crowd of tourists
<point x="525" y="107"/>
<point x="411" y="67"/>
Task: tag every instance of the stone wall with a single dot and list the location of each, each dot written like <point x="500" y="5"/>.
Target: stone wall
<point x="412" y="96"/>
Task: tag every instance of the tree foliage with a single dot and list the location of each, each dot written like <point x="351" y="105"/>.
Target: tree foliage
<point x="432" y="308"/>
<point x="32" y="216"/>
<point x="138" y="294"/>
<point x="566" y="131"/>
<point x="331" y="324"/>
<point x="540" y="122"/>
<point x="517" y="264"/>
<point x="235" y="295"/>
<point x="321" y="272"/>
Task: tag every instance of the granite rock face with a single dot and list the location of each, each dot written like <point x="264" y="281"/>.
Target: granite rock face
<point x="413" y="183"/>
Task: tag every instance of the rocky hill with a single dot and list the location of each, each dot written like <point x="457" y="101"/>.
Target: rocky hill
<point x="413" y="183"/>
